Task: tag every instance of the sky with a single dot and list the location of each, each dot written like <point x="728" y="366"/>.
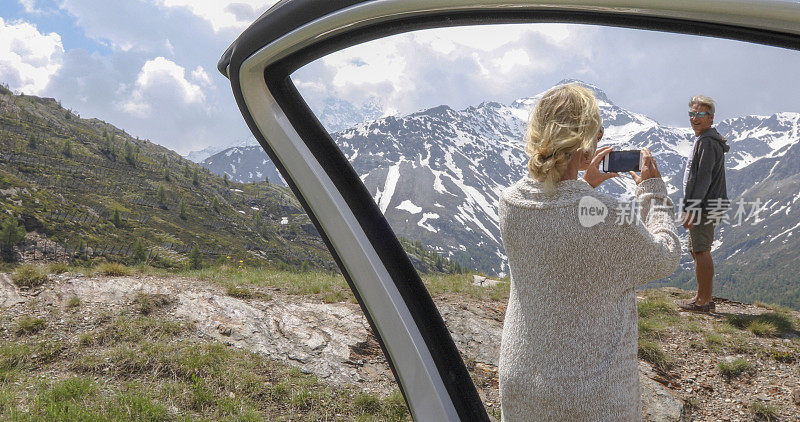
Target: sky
<point x="149" y="67"/>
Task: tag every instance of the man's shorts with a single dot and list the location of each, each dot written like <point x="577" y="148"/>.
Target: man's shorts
<point x="701" y="236"/>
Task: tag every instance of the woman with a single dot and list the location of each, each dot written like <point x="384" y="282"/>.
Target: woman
<point x="569" y="345"/>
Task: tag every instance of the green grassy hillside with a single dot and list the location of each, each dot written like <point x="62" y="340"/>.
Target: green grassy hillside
<point x="86" y="190"/>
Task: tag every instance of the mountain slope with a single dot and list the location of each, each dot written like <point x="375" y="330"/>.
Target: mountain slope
<point x="95" y="190"/>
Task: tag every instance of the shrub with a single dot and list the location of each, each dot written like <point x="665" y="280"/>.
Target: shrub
<point x="734" y="368"/>
<point x="28" y="275"/>
<point x="113" y="269"/>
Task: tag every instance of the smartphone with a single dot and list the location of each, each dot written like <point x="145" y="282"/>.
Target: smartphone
<point x="619" y="161"/>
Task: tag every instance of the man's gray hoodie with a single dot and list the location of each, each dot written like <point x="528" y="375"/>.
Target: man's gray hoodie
<point x="706" y="181"/>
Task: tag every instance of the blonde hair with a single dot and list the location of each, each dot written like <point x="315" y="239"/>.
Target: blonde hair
<point x="702" y="100"/>
<point x="565" y="121"/>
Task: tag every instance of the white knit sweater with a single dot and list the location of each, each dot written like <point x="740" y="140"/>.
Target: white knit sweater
<point x="569" y="344"/>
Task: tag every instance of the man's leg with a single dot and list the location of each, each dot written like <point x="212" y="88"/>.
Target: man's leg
<point x="694" y="258"/>
<point x="704" y="270"/>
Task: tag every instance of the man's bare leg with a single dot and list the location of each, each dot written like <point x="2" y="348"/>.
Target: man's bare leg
<point x="704" y="270"/>
<point x="694" y="258"/>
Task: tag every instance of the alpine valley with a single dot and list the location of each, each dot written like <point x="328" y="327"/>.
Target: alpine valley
<point x="436" y="174"/>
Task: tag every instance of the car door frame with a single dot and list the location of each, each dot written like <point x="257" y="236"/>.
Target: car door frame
<point x="411" y="332"/>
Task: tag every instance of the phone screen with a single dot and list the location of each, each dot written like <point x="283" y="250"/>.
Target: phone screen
<point x="619" y="161"/>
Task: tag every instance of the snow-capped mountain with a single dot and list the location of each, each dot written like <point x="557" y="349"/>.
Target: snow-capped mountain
<point x="436" y="174"/>
<point x="337" y="114"/>
<point x="198" y="156"/>
<point x="237" y="161"/>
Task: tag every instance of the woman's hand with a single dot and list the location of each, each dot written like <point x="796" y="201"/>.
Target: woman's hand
<point x="593" y="175"/>
<point x="648" y="165"/>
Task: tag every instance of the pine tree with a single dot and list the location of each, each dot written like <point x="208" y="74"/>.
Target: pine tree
<point x="32" y="144"/>
<point x="258" y="219"/>
<point x="116" y="219"/>
<point x="166" y="174"/>
<point x="11" y="232"/>
<point x="187" y="172"/>
<point x="81" y="248"/>
<point x="182" y="209"/>
<point x="195" y="258"/>
<point x="66" y="149"/>
<point x="107" y="148"/>
<point x="139" y="251"/>
<point x="225" y="179"/>
<point x="195" y="178"/>
<point x="130" y="155"/>
<point x="215" y="204"/>
<point x="162" y="195"/>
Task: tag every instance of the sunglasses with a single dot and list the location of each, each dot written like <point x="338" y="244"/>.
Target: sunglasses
<point x="699" y="114"/>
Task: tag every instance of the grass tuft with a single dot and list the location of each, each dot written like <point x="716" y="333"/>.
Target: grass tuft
<point x="783" y="356"/>
<point x="771" y="324"/>
<point x="714" y="341"/>
<point x="367" y="403"/>
<point x="656" y="306"/>
<point x="651" y="352"/>
<point x="59" y="268"/>
<point x="73" y="302"/>
<point x="145" y="303"/>
<point x="27" y="324"/>
<point x="763" y="411"/>
<point x="734" y="368"/>
<point x="113" y="269"/>
<point x="27" y="276"/>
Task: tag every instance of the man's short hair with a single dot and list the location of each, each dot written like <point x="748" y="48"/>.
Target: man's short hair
<point x="703" y="100"/>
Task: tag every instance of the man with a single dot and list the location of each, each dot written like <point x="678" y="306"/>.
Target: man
<point x="705" y="196"/>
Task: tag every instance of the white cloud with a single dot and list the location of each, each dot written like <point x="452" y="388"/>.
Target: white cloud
<point x="200" y="75"/>
<point x="457" y="66"/>
<point x="29" y="6"/>
<point x="513" y="60"/>
<point x="158" y="78"/>
<point x="28" y="58"/>
<point x="223" y="14"/>
<point x="489" y="38"/>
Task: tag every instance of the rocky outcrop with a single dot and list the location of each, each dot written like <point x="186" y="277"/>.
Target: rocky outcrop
<point x="331" y="340"/>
